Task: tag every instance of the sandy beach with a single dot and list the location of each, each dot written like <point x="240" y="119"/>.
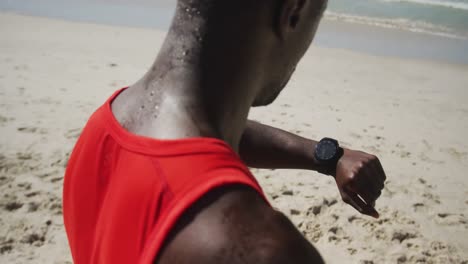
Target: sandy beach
<point x="413" y="114"/>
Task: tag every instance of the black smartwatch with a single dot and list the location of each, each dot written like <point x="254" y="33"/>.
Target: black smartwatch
<point x="328" y="152"/>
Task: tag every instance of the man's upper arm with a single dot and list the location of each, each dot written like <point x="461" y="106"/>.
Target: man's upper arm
<point x="234" y="225"/>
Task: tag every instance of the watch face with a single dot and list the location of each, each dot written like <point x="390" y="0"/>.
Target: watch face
<point x="326" y="150"/>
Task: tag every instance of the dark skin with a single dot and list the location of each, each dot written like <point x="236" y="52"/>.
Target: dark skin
<point x="219" y="59"/>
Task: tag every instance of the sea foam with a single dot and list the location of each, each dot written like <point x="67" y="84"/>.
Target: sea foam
<point x="436" y="3"/>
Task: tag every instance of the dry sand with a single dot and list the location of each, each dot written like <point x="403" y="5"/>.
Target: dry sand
<point x="413" y="114"/>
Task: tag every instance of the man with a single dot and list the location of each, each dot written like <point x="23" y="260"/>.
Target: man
<point x="155" y="176"/>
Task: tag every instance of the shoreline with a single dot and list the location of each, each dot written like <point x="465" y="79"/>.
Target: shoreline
<point x="332" y="33"/>
<point x="389" y="42"/>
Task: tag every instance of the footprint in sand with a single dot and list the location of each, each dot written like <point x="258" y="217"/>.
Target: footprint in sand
<point x="313" y="232"/>
<point x="395" y="229"/>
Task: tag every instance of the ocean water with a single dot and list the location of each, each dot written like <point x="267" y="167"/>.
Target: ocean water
<point x="429" y="29"/>
<point x="133" y="13"/>
<point x="447" y="18"/>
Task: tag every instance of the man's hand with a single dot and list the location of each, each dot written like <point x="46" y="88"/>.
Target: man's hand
<point x="359" y="176"/>
<point x="360" y="179"/>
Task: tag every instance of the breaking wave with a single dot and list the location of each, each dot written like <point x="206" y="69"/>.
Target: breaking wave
<point x="436" y="3"/>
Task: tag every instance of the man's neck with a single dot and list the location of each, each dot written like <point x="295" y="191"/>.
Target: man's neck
<point x="202" y="84"/>
<point x="170" y="109"/>
<point x="173" y="101"/>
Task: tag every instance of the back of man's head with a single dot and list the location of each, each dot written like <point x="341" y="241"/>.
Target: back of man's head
<point x="268" y="37"/>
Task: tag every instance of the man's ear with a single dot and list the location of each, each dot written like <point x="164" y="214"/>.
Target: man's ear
<point x="290" y="13"/>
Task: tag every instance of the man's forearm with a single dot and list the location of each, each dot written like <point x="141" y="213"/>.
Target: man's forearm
<point x="267" y="147"/>
<point x="359" y="176"/>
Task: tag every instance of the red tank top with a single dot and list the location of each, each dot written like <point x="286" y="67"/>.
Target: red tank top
<point x="123" y="193"/>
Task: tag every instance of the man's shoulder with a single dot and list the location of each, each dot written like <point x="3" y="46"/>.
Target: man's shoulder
<point x="235" y="225"/>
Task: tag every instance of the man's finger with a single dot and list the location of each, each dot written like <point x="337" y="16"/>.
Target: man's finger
<point x="364" y="187"/>
<point x="375" y="177"/>
<point x="356" y="202"/>
<point x="378" y="169"/>
<point x="376" y="186"/>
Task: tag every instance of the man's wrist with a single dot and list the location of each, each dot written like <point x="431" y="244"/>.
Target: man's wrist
<point x="326" y="154"/>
